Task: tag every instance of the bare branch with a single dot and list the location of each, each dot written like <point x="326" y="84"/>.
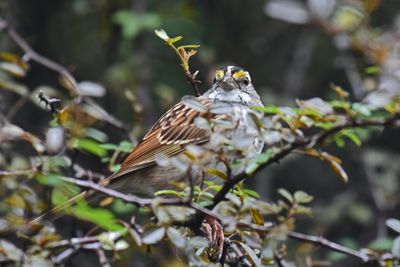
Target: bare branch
<point x="142" y="202"/>
<point x="280" y="261"/>
<point x="73" y="242"/>
<point x="77" y="243"/>
<point x="317" y="240"/>
<point x="192" y="79"/>
<point x="31" y="54"/>
<point x="102" y="258"/>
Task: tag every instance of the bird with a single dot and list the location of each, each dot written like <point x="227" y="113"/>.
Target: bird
<point x="177" y="128"/>
<point x="230" y="99"/>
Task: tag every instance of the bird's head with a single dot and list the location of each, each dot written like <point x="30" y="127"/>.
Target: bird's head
<point x="233" y="84"/>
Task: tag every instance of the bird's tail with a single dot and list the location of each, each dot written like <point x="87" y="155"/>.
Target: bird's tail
<point x="62" y="206"/>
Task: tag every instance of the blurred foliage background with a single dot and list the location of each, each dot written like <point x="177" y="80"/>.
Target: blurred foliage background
<point x="292" y="49"/>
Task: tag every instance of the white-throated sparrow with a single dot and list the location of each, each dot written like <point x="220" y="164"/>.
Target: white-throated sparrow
<point x="177" y="128"/>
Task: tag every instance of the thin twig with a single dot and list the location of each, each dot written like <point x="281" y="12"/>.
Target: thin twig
<point x="31" y="54"/>
<point x="323" y="242"/>
<point x="73" y="242"/>
<point x="192" y="79"/>
<point x="17" y="172"/>
<point x="281" y="262"/>
<point x="76" y="243"/>
<point x="102" y="258"/>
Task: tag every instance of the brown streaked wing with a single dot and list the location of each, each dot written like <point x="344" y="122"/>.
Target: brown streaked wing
<point x="173" y="130"/>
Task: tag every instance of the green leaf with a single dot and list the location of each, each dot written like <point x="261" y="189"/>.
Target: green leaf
<point x="90" y="146"/>
<point x="115" y="167"/>
<point x="168" y="192"/>
<point x="283" y="192"/>
<point x="339" y="140"/>
<point x="268" y="109"/>
<point x="176" y="237"/>
<point x="133" y="23"/>
<point x="50" y="179"/>
<point x="302" y="197"/>
<point x="340" y="104"/>
<point x="252" y="193"/>
<point x="96" y="135"/>
<point x="254" y="164"/>
<point x="99" y="216"/>
<point x="384" y="243"/>
<point x="187" y="47"/>
<point x="352" y="136"/>
<point x="373" y="70"/>
<point x="362" y="109"/>
<point x="125" y="146"/>
<point x="153" y="236"/>
<point x="108" y="146"/>
<point x="174" y="39"/>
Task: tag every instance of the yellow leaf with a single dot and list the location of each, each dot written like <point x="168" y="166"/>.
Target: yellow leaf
<point x="106" y="201"/>
<point x="334" y="162"/>
<point x="216" y="172"/>
<point x="256" y="216"/>
<point x="339" y="91"/>
<point x="69" y="83"/>
<point x="338" y="169"/>
<point x="63" y="116"/>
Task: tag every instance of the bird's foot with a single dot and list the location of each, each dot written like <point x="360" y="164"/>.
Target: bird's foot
<point x="214" y="233"/>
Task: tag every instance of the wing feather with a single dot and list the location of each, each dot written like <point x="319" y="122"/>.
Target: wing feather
<point x="169" y="134"/>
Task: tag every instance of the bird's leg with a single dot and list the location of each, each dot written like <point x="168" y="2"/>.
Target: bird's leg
<point x="214" y="233"/>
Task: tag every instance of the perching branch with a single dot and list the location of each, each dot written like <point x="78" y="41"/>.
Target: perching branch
<point x="142" y="202"/>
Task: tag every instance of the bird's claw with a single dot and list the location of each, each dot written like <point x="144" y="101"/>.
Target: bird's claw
<point x="214" y="233"/>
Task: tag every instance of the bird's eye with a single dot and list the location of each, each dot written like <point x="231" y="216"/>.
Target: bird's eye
<point x="246" y="81"/>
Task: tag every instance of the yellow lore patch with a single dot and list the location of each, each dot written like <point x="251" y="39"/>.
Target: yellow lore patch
<point x="219" y="74"/>
<point x="239" y="74"/>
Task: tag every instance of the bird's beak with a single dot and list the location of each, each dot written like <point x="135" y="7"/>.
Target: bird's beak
<point x="227" y="83"/>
